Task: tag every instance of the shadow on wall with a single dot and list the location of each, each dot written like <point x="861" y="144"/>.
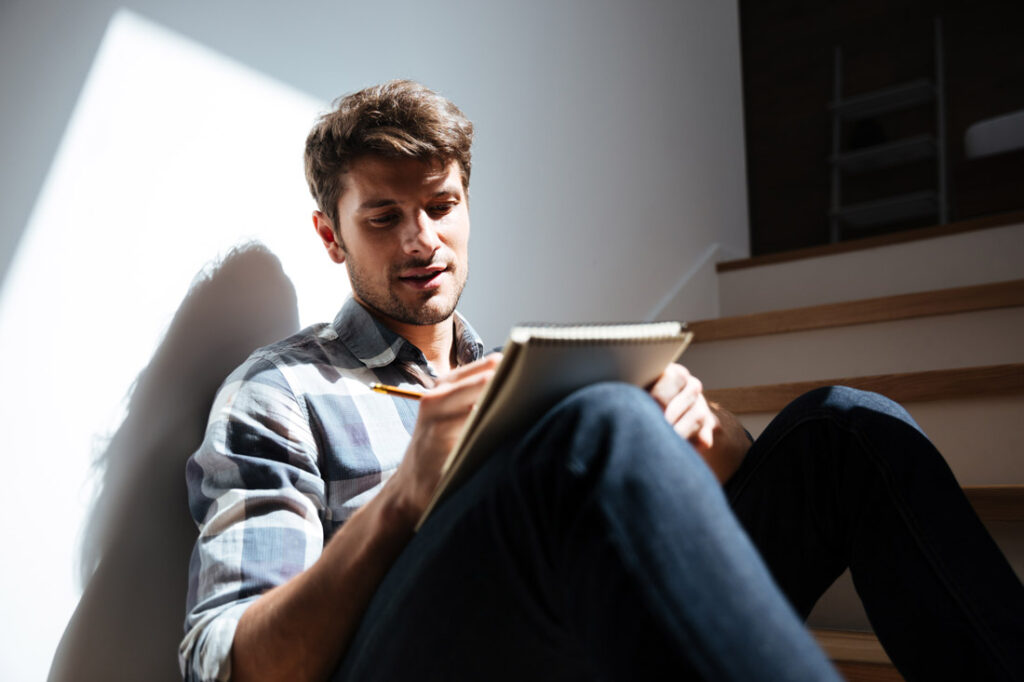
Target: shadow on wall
<point x="137" y="542"/>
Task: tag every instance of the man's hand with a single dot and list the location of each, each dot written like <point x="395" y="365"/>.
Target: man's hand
<point x="715" y="433"/>
<point x="442" y="414"/>
<point x="681" y="396"/>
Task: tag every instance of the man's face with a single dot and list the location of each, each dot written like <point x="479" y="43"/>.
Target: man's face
<point x="403" y="231"/>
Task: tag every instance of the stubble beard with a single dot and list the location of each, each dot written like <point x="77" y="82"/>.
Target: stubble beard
<point x="433" y="307"/>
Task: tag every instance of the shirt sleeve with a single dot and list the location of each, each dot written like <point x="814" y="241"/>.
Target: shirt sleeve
<point x="256" y="493"/>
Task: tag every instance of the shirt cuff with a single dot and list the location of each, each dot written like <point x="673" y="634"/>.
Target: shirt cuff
<point x="205" y="652"/>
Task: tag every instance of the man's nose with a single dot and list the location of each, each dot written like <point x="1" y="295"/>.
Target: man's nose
<point x="421" y="236"/>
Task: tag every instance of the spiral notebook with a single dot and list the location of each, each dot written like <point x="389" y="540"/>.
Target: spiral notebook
<point x="543" y="364"/>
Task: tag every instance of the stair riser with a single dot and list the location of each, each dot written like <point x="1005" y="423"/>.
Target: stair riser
<point x="985" y="337"/>
<point x="961" y="259"/>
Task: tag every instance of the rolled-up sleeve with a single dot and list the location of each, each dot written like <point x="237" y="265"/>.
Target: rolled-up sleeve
<point x="256" y="493"/>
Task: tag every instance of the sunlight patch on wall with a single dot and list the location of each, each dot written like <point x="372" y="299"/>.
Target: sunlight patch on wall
<point x="173" y="155"/>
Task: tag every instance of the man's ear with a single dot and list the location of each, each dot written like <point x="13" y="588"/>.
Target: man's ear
<point x="331" y="240"/>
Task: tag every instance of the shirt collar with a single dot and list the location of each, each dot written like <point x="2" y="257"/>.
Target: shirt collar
<point x="375" y="345"/>
<point x="468" y="344"/>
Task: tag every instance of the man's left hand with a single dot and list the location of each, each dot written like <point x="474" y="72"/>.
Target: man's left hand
<point x="714" y="433"/>
<point x="681" y="396"/>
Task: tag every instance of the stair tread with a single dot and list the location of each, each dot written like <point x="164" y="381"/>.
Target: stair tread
<point x="1003" y="502"/>
<point x="857" y="655"/>
<point x="970" y="225"/>
<point x="906" y="387"/>
<point x="864" y="311"/>
<point x="853" y="671"/>
<point x="848" y="645"/>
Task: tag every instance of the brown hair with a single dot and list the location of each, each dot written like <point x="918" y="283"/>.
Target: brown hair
<point x="397" y="119"/>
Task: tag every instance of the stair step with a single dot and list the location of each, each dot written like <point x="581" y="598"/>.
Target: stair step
<point x="938" y="259"/>
<point x="903" y="388"/>
<point x="911" y="344"/>
<point x="997" y="502"/>
<point x="959" y="227"/>
<point x="868" y="672"/>
<point x="844" y="645"/>
<point x="881" y="309"/>
<point x="972" y="414"/>
<point x="979" y="437"/>
<point x="858" y="655"/>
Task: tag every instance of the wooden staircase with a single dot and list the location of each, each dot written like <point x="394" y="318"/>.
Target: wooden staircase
<point x="948" y="346"/>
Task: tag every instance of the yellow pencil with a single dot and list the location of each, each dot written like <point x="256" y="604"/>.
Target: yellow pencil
<point x="395" y="390"/>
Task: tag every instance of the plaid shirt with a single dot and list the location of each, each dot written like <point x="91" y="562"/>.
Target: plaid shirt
<point x="296" y="442"/>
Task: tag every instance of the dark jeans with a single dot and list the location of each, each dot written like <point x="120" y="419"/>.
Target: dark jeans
<point x="601" y="547"/>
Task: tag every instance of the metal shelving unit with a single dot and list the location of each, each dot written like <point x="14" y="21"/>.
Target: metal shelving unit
<point x="845" y="218"/>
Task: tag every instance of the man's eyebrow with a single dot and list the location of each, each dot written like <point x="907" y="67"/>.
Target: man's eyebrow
<point x="376" y="203"/>
<point x="446" y="191"/>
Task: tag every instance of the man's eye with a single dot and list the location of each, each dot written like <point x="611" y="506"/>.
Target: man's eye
<point x="442" y="208"/>
<point x="382" y="220"/>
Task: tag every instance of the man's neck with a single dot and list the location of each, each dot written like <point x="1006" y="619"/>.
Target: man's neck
<point x="435" y="341"/>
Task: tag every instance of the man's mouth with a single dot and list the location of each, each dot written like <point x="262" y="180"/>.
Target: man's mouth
<point x="423" y="278"/>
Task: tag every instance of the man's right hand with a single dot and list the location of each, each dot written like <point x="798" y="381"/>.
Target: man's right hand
<point x="442" y="415"/>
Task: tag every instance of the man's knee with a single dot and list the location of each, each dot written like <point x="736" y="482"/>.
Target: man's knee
<point x="850" y="404"/>
<point x="878" y="424"/>
<point x="608" y="400"/>
<point x="604" y="419"/>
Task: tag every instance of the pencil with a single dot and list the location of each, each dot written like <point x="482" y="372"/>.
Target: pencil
<point x="395" y="390"/>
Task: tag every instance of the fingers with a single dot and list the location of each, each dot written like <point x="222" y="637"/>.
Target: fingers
<point x="676" y="390"/>
<point x="442" y="414"/>
<point x="454" y="399"/>
<point x="697" y="425"/>
<point x="681" y="396"/>
<point x="705" y="438"/>
<point x="684" y="401"/>
<point x="457" y="392"/>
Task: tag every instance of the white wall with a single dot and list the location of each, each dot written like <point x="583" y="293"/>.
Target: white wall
<point x="610" y="144"/>
<point x="609" y="151"/>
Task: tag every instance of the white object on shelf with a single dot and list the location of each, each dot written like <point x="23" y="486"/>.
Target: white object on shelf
<point x="995" y="135"/>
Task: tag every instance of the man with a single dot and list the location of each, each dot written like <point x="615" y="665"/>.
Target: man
<point x="597" y="545"/>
